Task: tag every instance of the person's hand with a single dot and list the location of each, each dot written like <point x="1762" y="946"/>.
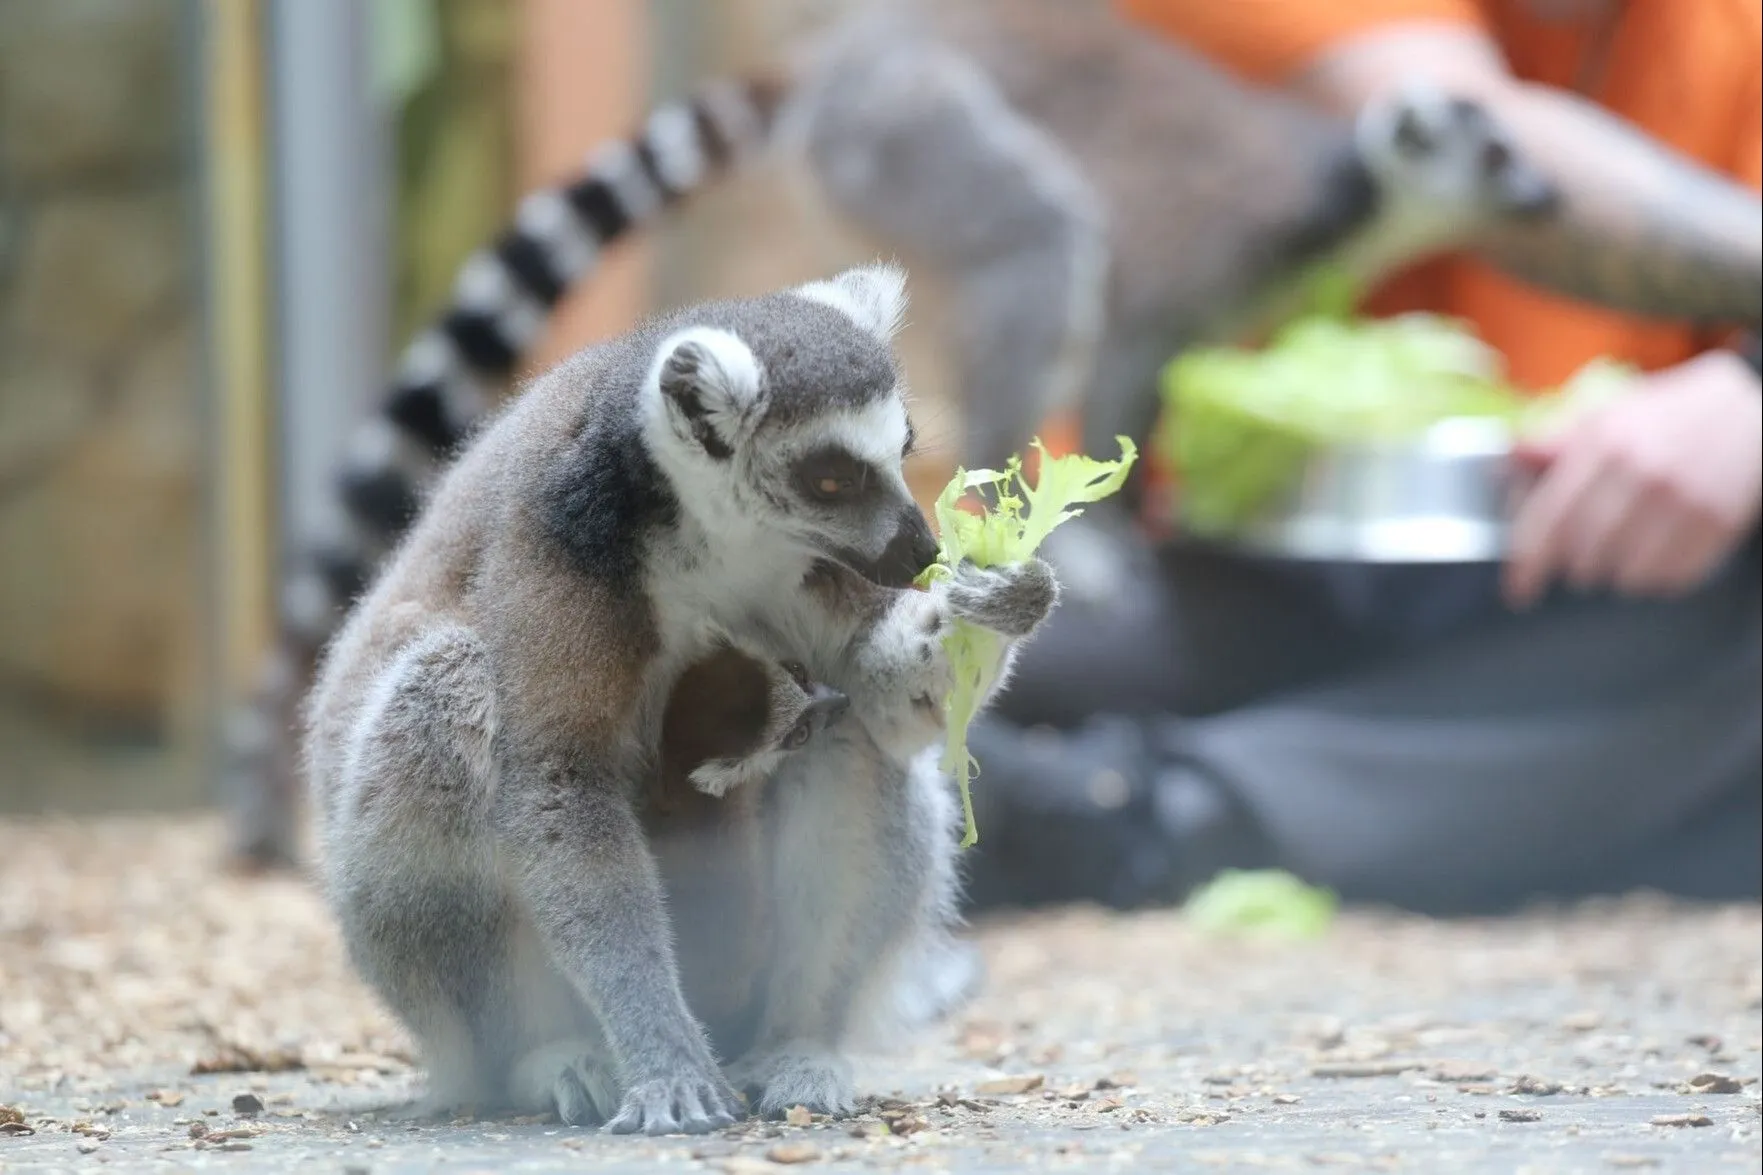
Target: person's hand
<point x="1647" y="494"/>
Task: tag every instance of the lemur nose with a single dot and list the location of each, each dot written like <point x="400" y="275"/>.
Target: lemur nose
<point x="911" y="549"/>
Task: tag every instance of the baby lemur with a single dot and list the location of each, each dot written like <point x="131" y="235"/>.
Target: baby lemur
<point x="731" y="720"/>
<point x="482" y="733"/>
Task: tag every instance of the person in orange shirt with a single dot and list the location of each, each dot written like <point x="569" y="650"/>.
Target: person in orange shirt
<point x="1395" y="732"/>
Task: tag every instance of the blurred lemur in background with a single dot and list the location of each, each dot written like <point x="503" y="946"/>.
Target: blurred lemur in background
<point x="1095" y="198"/>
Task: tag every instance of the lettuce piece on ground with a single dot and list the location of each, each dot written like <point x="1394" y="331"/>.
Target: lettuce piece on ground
<point x="1264" y="902"/>
<point x="1009" y="528"/>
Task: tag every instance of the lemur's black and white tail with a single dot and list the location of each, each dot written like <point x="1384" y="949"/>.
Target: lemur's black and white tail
<point x="444" y="386"/>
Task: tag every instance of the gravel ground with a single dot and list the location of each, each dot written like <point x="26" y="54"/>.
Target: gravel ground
<point x="156" y="1014"/>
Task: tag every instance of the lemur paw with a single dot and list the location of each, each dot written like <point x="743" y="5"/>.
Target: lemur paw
<point x="584" y="1092"/>
<point x="1011" y="600"/>
<point x="1447" y="154"/>
<point x="682" y="1103"/>
<point x="570" y="1077"/>
<point x="926" y="670"/>
<point x="805" y="1076"/>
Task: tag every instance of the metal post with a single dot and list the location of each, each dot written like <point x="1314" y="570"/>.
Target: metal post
<point x="330" y="178"/>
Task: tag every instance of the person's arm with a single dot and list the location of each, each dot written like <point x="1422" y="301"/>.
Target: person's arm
<point x="1650" y="494"/>
<point x="1641" y="227"/>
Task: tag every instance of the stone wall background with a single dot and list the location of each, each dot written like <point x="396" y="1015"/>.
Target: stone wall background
<point x="101" y="406"/>
<point x="104" y="698"/>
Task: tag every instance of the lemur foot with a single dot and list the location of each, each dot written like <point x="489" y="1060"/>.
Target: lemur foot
<point x="688" y="1103"/>
<point x="798" y="1075"/>
<point x="571" y="1078"/>
<point x="1448" y="155"/>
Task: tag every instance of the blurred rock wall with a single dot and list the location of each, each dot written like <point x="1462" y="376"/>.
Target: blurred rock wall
<point x="100" y="365"/>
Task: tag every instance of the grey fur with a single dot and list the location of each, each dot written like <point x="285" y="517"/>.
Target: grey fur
<point x="484" y="725"/>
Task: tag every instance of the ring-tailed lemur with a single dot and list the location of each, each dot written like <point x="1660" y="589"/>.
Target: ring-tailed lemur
<point x="482" y="729"/>
<point x="1097" y="197"/>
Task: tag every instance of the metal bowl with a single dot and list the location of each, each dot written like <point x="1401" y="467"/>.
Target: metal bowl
<point x="1442" y="498"/>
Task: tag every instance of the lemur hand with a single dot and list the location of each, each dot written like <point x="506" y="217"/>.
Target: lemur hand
<point x="1011" y="600"/>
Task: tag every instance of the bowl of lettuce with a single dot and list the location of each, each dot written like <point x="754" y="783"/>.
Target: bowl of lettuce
<point x="1346" y="438"/>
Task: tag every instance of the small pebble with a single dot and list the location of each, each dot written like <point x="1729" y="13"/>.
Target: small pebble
<point x="1027" y="1083"/>
<point x="793" y="1152"/>
<point x="1716" y="1083"/>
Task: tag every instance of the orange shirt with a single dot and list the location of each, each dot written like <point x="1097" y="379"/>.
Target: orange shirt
<point x="1687" y="72"/>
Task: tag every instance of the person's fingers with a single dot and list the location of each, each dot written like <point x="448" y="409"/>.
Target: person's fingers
<point x="1594" y="541"/>
<point x="1649" y="546"/>
<point x="1534" y="550"/>
<point x="1668" y="553"/>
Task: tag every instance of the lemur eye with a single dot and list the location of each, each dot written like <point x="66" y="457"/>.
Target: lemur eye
<point x="832" y="474"/>
<point x="797" y="736"/>
<point x="798" y="673"/>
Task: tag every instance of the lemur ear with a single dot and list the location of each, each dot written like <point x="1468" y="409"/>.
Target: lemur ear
<point x="711" y="385"/>
<point x="873" y="296"/>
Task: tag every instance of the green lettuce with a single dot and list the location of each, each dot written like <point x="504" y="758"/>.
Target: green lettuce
<point x="1013" y="523"/>
<point x="1239" y="425"/>
<point x="1261" y="902"/>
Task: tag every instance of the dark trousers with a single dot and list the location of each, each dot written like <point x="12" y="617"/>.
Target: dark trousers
<point x="1401" y="736"/>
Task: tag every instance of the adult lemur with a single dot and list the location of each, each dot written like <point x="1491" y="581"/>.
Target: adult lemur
<point x="482" y="732"/>
<point x="1097" y="198"/>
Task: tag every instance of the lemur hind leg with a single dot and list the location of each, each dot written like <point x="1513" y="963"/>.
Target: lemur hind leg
<point x="410" y="866"/>
<point x="862" y="841"/>
<point x="918" y="147"/>
<point x="855" y="840"/>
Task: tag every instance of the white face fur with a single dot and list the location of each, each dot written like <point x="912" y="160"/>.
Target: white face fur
<point x="808" y="450"/>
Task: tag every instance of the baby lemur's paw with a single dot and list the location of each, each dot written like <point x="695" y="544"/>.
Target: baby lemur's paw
<point x="1446" y="155"/>
<point x="585" y="1093"/>
<point x="801" y="1075"/>
<point x="920" y="671"/>
<point x="572" y="1077"/>
<point x="1011" y="600"/>
<point x="683" y="1103"/>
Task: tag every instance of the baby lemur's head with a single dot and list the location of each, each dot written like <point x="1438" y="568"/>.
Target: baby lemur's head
<point x="785" y="416"/>
<point x="735" y="715"/>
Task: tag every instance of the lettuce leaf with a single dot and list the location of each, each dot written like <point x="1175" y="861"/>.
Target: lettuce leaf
<point x="1009" y="528"/>
<point x="1239" y="425"/>
<point x="1261" y="902"/>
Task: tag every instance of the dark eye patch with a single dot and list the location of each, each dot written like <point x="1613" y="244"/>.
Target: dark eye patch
<point x="834" y="474"/>
<point x="1412" y="137"/>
